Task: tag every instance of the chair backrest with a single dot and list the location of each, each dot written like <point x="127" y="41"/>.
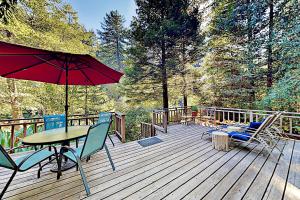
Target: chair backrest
<point x="54" y="121"/>
<point x="264" y="125"/>
<point x="277" y="115"/>
<point x="95" y="138"/>
<point x="5" y="159"/>
<point x="104" y="117"/>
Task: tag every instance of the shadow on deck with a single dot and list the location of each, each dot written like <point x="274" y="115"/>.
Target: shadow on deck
<point x="183" y="166"/>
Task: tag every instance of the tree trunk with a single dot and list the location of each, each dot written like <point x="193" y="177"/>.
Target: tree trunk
<point x="185" y="104"/>
<point x="14" y="103"/>
<point x="118" y="55"/>
<point x="85" y="101"/>
<point x="270" y="58"/>
<point x="249" y="56"/>
<point x="164" y="76"/>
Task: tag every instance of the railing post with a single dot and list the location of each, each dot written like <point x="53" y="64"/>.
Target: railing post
<point x="24" y="130"/>
<point x="123" y="128"/>
<point x="165" y="120"/>
<point x="12" y="138"/>
<point x="153" y="120"/>
<point x="291" y="126"/>
<point x="251" y="116"/>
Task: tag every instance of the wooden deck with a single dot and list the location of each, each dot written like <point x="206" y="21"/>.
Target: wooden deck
<point x="183" y="166"/>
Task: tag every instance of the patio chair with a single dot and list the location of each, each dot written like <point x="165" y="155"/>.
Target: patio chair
<point x="94" y="142"/>
<point x="24" y="163"/>
<point x="258" y="135"/>
<point x="106" y="117"/>
<point x="55" y="121"/>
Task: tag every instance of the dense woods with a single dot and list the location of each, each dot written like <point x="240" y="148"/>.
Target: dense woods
<point x="231" y="53"/>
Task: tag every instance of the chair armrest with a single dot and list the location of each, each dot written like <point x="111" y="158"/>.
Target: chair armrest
<point x="69" y="149"/>
<point x="29" y="156"/>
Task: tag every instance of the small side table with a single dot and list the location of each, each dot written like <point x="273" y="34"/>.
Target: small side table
<point x="220" y="140"/>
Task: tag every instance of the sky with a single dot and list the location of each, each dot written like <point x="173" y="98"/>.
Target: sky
<point x="92" y="12"/>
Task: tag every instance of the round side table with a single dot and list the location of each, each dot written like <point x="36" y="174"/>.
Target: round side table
<point x="220" y="140"/>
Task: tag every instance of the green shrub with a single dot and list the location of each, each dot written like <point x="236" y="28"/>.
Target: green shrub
<point x="194" y="108"/>
<point x="134" y="118"/>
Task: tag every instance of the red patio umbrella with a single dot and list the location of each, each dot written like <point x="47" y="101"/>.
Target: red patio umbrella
<point x="22" y="62"/>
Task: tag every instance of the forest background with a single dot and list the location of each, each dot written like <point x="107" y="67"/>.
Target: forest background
<point x="228" y="53"/>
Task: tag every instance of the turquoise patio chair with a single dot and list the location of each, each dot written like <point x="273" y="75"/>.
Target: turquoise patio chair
<point x="55" y="121"/>
<point x="24" y="163"/>
<point x="94" y="142"/>
<point x="105" y="117"/>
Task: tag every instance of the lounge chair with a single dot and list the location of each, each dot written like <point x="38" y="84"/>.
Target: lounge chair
<point x="105" y="117"/>
<point x="24" y="163"/>
<point x="94" y="142"/>
<point x="257" y="135"/>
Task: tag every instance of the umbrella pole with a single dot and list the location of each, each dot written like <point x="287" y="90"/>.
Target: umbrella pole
<point x="67" y="106"/>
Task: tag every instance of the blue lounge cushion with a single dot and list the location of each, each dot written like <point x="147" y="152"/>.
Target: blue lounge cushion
<point x="239" y="135"/>
<point x="255" y="125"/>
<point x="34" y="159"/>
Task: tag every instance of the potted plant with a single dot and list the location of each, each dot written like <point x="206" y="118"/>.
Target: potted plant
<point x="194" y="111"/>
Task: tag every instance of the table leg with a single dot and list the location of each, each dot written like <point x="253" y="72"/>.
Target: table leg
<point x="66" y="164"/>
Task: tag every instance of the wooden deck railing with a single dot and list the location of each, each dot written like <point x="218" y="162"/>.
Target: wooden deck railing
<point x="16" y="129"/>
<point x="288" y="120"/>
<point x="147" y="130"/>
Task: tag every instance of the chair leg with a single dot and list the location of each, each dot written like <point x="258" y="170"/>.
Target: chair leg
<point x="59" y="166"/>
<point x="86" y="186"/>
<point x="7" y="184"/>
<point x="40" y="165"/>
<point x="50" y="158"/>
<point x="109" y="157"/>
<point x="111" y="140"/>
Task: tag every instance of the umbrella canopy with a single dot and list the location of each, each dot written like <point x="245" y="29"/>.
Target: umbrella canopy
<point x="26" y="63"/>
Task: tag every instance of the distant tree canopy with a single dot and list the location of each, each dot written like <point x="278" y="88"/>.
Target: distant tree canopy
<point x="52" y="25"/>
<point x="231" y="53"/>
<point x="163" y="37"/>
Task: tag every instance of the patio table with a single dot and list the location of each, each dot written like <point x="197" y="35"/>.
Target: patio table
<point x="55" y="136"/>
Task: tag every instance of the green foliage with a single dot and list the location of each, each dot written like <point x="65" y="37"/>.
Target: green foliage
<point x="134" y="117"/>
<point x="163" y="41"/>
<point x="194" y="108"/>
<point x="6" y="10"/>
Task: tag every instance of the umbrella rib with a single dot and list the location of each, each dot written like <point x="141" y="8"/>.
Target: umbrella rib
<point x="100" y="72"/>
<point x="105" y="75"/>
<point x="25" y="68"/>
<point x="59" y="76"/>
<point x="86" y="76"/>
<point x="58" y="67"/>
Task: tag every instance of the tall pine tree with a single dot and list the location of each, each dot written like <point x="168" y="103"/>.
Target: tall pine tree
<point x="113" y="37"/>
<point x="157" y="37"/>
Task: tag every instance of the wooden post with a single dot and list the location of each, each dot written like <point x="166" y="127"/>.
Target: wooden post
<point x="123" y="128"/>
<point x="116" y="122"/>
<point x="291" y="126"/>
<point x="12" y="138"/>
<point x="153" y="120"/>
<point x="35" y="127"/>
<point x="24" y="130"/>
<point x="251" y="116"/>
<point x="165" y="121"/>
<point x="176" y="115"/>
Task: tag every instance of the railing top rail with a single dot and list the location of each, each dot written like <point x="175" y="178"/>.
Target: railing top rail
<point x="33" y="120"/>
<point x="248" y="110"/>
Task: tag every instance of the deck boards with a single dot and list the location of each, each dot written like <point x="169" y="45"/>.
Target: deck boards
<point x="183" y="166"/>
